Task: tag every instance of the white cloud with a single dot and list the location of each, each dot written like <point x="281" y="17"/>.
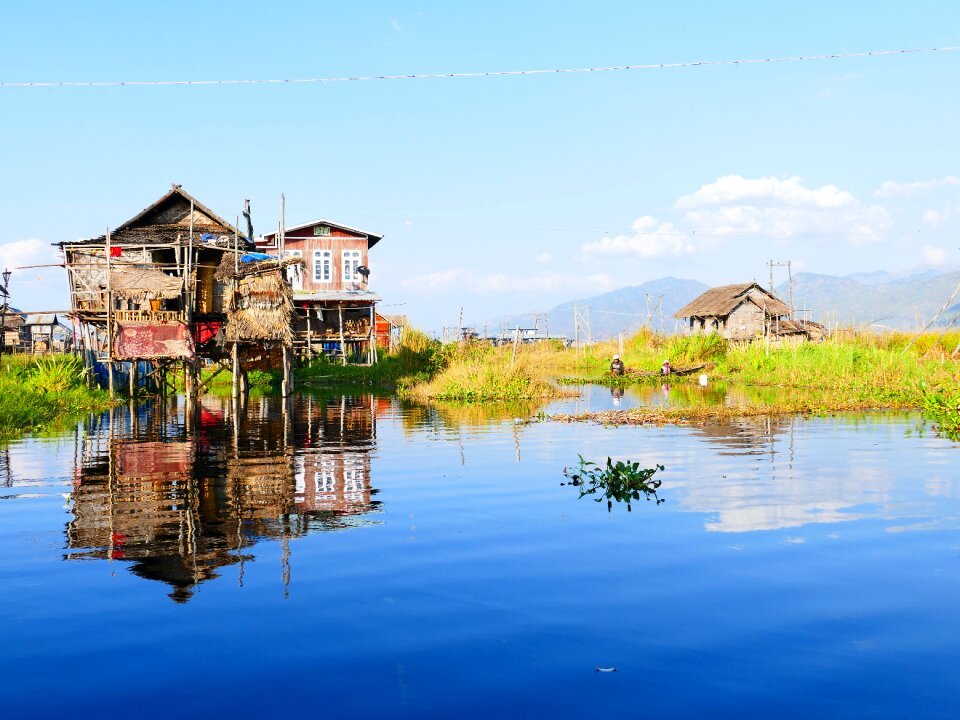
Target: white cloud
<point x="934" y="256"/>
<point x="395" y="24"/>
<point x="26" y="252"/>
<point x="41" y="288"/>
<point x="734" y="190"/>
<point x="543" y="257"/>
<point x="650" y="238"/>
<point x="934" y="218"/>
<point x="779" y="209"/>
<point x="890" y="188"/>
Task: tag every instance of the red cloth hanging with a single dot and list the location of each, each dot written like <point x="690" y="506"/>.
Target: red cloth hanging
<point x="116" y="252"/>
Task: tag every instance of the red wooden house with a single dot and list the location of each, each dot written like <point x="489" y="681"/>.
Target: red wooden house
<point x="336" y="308"/>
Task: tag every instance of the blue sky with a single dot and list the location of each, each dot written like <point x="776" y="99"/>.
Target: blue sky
<point x="496" y="194"/>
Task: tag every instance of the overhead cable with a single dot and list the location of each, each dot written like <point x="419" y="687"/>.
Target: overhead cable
<point x="487" y="73"/>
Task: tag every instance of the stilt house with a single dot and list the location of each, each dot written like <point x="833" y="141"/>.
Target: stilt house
<point x="150" y="290"/>
<point x="336" y="310"/>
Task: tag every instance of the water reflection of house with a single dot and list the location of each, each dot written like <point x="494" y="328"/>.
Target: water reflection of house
<point x="333" y="472"/>
<point x="181" y="505"/>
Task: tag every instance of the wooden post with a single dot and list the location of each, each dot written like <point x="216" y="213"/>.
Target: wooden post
<point x="133" y="378"/>
<point x="373" y="334"/>
<point x="189" y="263"/>
<point x="309" y="338"/>
<point x="109" y="321"/>
<point x="235" y="384"/>
<point x="283" y="233"/>
<point x="343" y="344"/>
<point x="286" y="387"/>
<point x="516" y="341"/>
<point x="188" y="380"/>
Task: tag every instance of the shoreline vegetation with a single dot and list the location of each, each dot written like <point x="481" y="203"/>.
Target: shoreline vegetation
<point x="849" y="372"/>
<point x="43" y="392"/>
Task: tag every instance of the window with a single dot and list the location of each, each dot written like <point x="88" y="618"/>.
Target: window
<point x="321" y="230"/>
<point x="294" y="276"/>
<point x="351" y="261"/>
<point x="322" y="262"/>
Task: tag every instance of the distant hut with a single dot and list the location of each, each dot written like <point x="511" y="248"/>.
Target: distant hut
<point x="45" y="332"/>
<point x="12" y="322"/>
<point x="737" y="312"/>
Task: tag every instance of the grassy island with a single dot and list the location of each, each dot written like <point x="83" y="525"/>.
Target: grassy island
<point x="40" y="392"/>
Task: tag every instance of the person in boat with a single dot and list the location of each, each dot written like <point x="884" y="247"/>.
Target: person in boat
<point x="666" y="368"/>
<point x="616" y="367"/>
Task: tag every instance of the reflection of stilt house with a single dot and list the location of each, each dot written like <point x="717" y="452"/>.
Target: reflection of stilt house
<point x="189" y="503"/>
<point x="336" y="309"/>
<point x="149" y="289"/>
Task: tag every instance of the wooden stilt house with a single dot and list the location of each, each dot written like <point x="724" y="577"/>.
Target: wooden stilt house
<point x="149" y="289"/>
<point x="336" y="310"/>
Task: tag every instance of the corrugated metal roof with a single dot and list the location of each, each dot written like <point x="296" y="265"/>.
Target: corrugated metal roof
<point x="39" y="319"/>
<point x="374" y="238"/>
<point x="341" y="295"/>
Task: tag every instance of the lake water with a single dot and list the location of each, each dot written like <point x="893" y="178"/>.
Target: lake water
<point x="356" y="557"/>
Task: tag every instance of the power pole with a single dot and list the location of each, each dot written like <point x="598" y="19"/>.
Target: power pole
<point x="576" y="330"/>
<point x="788" y="265"/>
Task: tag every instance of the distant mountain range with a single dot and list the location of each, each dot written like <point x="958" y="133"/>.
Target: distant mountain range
<point x="880" y="300"/>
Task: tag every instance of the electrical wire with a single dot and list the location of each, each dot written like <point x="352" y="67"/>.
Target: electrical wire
<point x="487" y="73"/>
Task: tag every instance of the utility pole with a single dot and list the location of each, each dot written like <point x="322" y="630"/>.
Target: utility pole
<point x="788" y="265"/>
<point x="576" y="330"/>
<point x="5" y="291"/>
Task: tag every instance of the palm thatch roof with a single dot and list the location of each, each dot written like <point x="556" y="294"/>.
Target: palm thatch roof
<point x="723" y="300"/>
<point x="139" y="284"/>
<point x="260" y="308"/>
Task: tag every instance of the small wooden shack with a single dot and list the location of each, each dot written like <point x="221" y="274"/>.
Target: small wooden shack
<point x="12" y="322"/>
<point x="44" y="333"/>
<point x="737" y="312"/>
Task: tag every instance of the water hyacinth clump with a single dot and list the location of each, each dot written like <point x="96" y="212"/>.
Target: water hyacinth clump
<point x="616" y="481"/>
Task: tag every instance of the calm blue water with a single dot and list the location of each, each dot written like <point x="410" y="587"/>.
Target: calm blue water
<point x="358" y="558"/>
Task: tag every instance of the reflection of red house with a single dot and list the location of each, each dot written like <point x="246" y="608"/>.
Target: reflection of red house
<point x="334" y="482"/>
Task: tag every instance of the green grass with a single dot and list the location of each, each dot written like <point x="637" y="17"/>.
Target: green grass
<point x="416" y="360"/>
<point x="36" y="393"/>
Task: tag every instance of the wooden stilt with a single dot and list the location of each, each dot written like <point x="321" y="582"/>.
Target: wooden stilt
<point x="109" y="320"/>
<point x="343" y="344"/>
<point x="286" y="388"/>
<point x="235" y="385"/>
<point x="133" y="378"/>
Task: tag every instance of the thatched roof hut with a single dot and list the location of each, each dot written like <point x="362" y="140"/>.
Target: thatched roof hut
<point x="259" y="301"/>
<point x="738" y="312"/>
<point x="723" y="300"/>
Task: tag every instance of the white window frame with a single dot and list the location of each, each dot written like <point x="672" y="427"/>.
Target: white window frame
<point x="295" y="274"/>
<point x="350" y="273"/>
<point x="318" y="274"/>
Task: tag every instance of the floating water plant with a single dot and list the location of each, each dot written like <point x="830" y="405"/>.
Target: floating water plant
<point x="617" y="481"/>
<point x="942" y="406"/>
